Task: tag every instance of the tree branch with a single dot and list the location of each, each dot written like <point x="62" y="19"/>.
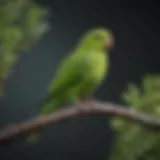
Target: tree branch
<point x="82" y="109"/>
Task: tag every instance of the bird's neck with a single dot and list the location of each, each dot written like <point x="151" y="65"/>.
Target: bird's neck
<point x="91" y="50"/>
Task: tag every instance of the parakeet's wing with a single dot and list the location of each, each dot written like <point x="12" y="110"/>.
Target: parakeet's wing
<point x="71" y="72"/>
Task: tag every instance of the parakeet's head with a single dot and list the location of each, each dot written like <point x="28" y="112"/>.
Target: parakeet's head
<point x="98" y="39"/>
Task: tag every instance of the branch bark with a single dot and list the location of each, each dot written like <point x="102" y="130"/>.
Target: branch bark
<point x="82" y="109"/>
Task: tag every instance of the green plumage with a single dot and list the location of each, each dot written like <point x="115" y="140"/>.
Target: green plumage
<point x="79" y="74"/>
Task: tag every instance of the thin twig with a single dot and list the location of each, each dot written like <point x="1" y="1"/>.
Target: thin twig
<point x="96" y="108"/>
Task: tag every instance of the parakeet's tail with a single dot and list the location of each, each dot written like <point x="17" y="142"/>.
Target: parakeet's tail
<point x="33" y="137"/>
<point x="45" y="108"/>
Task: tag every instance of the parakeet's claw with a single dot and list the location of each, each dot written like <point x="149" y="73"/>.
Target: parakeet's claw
<point x="89" y="101"/>
<point x="75" y="102"/>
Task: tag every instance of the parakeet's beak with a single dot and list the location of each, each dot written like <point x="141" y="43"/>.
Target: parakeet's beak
<point x="110" y="43"/>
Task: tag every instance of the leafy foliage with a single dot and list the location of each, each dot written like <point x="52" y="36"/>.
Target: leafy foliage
<point x="134" y="142"/>
<point x="22" y="23"/>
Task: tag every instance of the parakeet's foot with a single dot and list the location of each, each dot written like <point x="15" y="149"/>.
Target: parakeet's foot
<point x="89" y="101"/>
<point x="75" y="102"/>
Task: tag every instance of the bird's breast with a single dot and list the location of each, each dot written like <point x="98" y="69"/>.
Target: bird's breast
<point x="98" y="66"/>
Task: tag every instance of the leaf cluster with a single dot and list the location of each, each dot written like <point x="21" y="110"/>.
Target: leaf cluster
<point x="134" y="142"/>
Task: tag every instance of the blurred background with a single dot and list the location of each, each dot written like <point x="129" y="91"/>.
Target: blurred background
<point x="136" y="53"/>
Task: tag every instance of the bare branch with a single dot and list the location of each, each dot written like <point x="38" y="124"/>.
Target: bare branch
<point x="96" y="108"/>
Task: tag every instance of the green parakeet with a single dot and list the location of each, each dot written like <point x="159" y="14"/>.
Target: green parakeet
<point x="79" y="74"/>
